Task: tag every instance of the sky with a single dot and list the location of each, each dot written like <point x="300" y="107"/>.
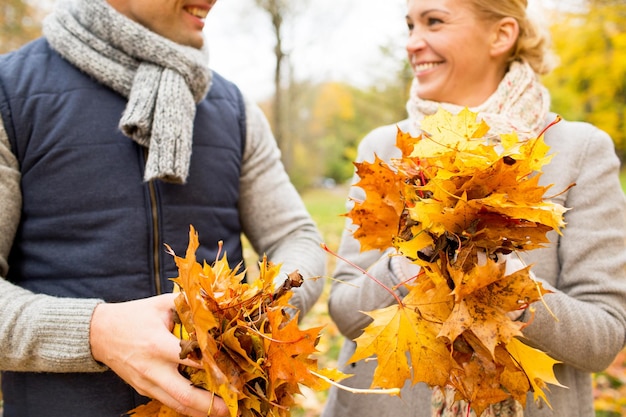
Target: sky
<point x="332" y="40"/>
<point x="338" y="40"/>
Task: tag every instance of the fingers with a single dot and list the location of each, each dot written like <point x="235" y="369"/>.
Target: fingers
<point x="188" y="400"/>
<point x="514" y="264"/>
<point x="134" y="340"/>
<point x="515" y="314"/>
<point x="403" y="268"/>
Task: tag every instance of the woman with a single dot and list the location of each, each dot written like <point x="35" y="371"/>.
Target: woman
<point x="487" y="55"/>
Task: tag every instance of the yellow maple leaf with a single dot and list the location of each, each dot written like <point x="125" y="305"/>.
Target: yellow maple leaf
<point x="399" y="333"/>
<point x="396" y="331"/>
<point x="447" y="132"/>
<point x="537" y="365"/>
<point x="535" y="153"/>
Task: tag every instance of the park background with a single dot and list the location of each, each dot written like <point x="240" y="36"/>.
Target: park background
<point x="328" y="71"/>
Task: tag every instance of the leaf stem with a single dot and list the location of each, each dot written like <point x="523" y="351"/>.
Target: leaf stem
<point x="389" y="290"/>
<point x="265" y="336"/>
<point x="387" y="391"/>
<point x="555" y="121"/>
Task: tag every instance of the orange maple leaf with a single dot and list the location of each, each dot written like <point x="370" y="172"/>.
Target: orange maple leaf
<point x="377" y="216"/>
<point x="483" y="311"/>
<point x="286" y="343"/>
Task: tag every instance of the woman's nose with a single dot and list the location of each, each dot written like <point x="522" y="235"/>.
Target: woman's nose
<point x="416" y="41"/>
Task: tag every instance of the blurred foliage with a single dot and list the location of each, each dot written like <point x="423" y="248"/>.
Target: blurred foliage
<point x="281" y="12"/>
<point x="610" y="389"/>
<point x="327" y="121"/>
<point x="590" y="82"/>
<point x="20" y="22"/>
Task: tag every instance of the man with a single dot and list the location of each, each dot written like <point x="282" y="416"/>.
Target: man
<point x="115" y="137"/>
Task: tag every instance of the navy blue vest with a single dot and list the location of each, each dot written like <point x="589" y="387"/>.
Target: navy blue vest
<point x="90" y="225"/>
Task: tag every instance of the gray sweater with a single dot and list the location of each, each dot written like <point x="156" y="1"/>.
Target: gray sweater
<point x="39" y="333"/>
<point x="586" y="269"/>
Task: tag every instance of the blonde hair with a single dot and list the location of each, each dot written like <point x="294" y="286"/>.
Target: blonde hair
<point x="533" y="43"/>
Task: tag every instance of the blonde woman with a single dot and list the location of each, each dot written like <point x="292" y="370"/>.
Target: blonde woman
<point x="487" y="55"/>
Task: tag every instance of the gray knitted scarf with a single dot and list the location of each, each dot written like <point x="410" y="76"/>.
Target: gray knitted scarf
<point x="161" y="79"/>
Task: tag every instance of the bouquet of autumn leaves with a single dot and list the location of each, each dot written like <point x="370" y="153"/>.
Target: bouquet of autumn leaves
<point x="454" y="203"/>
<point x="250" y="350"/>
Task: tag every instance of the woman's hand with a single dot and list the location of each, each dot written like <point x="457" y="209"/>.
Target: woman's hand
<point x="134" y="339"/>
<point x="404" y="269"/>
<point x="513" y="264"/>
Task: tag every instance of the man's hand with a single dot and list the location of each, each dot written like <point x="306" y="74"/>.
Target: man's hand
<point x="134" y="339"/>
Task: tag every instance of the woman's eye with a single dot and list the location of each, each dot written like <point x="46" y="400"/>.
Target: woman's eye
<point x="410" y="26"/>
<point x="431" y="21"/>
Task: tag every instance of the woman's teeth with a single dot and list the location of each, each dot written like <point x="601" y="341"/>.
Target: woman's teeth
<point x="426" y="66"/>
<point x="197" y="12"/>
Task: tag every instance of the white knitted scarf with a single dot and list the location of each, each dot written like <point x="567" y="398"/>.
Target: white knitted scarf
<point x="520" y="104"/>
<point x="162" y="80"/>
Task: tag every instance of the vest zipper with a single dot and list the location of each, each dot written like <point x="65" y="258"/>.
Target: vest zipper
<point x="156" y="257"/>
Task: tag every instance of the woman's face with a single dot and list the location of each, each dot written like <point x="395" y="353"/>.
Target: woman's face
<point x="181" y="21"/>
<point x="450" y="52"/>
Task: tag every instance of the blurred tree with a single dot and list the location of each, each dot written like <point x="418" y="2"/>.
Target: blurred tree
<point x="303" y="133"/>
<point x="20" y="22"/>
<point x="280" y="11"/>
<point x="337" y="118"/>
<point x="276" y="10"/>
<point x="590" y="82"/>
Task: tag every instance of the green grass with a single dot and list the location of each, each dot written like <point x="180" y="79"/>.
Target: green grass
<point x="326" y="207"/>
<point x="622" y="178"/>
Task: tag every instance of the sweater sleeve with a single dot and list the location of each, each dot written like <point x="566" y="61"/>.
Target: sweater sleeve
<point x="589" y="284"/>
<point x="38" y="333"/>
<point x="352" y="291"/>
<point x="273" y="216"/>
